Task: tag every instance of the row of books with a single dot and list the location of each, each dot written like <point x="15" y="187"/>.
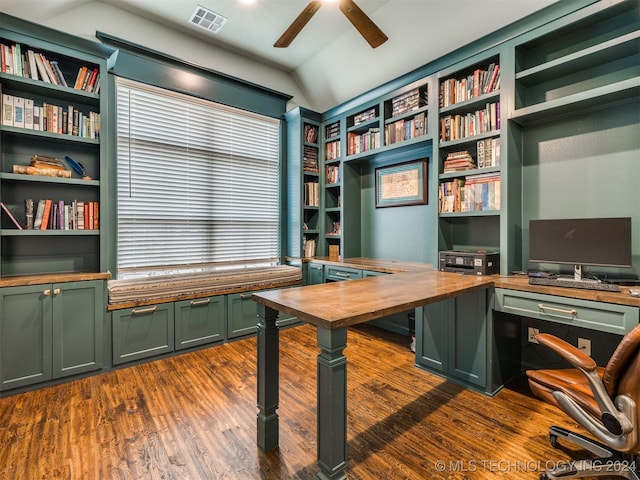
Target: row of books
<point x="405" y="129"/>
<point x="310" y="159"/>
<point x="454" y="127"/>
<point x="333" y="174"/>
<point x="363" y="142"/>
<point x="57" y="215"/>
<point x="332" y="150"/>
<point x="332" y="130"/>
<point x="474" y="193"/>
<point x="480" y="82"/>
<point x="365" y="116"/>
<point x="311" y="194"/>
<point x="24" y="113"/>
<point x="488" y="152"/>
<point x="310" y="133"/>
<point x="412" y="100"/>
<point x="308" y="247"/>
<point x="34" y="65"/>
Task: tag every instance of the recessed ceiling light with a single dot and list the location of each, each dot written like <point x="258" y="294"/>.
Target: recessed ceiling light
<point x="205" y="18"/>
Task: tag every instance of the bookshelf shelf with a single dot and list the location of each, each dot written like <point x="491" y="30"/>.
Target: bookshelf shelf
<point x="8" y="232"/>
<point x="583" y="102"/>
<point x="53" y="180"/>
<point x="49" y="135"/>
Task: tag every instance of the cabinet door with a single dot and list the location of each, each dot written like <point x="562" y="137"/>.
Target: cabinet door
<point x="468" y="339"/>
<point x="25" y="335"/>
<point x="199" y="321"/>
<point x="432" y="335"/>
<point x="142" y="332"/>
<point x="315" y="273"/>
<point x="242" y="318"/>
<point x="78" y="327"/>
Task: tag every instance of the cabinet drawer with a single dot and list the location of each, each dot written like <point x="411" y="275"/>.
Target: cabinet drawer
<point x="605" y="317"/>
<point x="242" y="318"/>
<point x="337" y="274"/>
<point x="142" y="332"/>
<point x="200" y="321"/>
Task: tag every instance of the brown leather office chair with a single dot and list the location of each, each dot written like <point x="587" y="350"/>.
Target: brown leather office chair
<point x="602" y="400"/>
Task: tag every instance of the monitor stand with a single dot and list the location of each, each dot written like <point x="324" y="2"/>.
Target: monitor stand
<point x="577" y="276"/>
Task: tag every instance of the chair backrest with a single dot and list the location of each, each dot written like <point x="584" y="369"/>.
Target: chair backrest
<point x="622" y="373"/>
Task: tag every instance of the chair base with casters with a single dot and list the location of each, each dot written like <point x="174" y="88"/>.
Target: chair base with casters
<point x="608" y="463"/>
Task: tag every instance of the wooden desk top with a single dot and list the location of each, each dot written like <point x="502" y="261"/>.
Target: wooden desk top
<point x="342" y="304"/>
<point x="522" y="283"/>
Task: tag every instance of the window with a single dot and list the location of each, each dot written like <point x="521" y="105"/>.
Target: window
<point x="198" y="183"/>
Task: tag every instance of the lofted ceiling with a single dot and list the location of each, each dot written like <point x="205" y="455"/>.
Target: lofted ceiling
<point x="328" y="63"/>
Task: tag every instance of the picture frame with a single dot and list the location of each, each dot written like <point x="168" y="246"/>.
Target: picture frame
<point x="401" y="184"/>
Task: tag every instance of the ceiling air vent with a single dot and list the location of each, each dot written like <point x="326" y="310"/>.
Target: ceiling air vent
<point x="205" y="18"/>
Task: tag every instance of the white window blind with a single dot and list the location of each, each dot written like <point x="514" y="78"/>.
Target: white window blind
<point x="198" y="182"/>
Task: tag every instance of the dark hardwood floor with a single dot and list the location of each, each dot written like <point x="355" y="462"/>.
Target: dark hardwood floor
<point x="193" y="416"/>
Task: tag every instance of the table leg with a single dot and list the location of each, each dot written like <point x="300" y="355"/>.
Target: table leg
<point x="268" y="378"/>
<point x="332" y="404"/>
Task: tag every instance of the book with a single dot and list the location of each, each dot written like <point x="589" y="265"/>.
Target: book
<point x="37" y="221"/>
<point x="43" y="161"/>
<point x="44" y="76"/>
<point x="18" y="112"/>
<point x="7" y="110"/>
<point x="45" y="172"/>
<point x="334" y="251"/>
<point x="33" y="68"/>
<point x="10" y="215"/>
<point x="46" y="212"/>
<point x="58" y="72"/>
<point x="28" y="211"/>
<point x="28" y="113"/>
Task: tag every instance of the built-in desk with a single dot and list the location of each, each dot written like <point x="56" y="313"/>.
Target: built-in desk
<point x="333" y="307"/>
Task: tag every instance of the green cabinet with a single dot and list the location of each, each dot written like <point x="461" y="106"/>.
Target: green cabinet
<point x="142" y="332"/>
<point x="315" y="273"/>
<point x="200" y="321"/>
<point x="242" y="316"/>
<point x="451" y="338"/>
<point x="50" y="331"/>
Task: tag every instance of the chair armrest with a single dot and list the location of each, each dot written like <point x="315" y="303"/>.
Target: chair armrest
<point x="571" y="354"/>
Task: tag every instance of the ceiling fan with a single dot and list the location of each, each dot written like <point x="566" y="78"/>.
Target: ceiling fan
<point x="369" y="30"/>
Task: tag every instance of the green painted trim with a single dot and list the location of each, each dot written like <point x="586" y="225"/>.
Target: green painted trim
<point x="155" y="68"/>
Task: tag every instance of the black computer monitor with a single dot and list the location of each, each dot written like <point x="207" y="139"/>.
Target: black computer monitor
<point x="604" y="242"/>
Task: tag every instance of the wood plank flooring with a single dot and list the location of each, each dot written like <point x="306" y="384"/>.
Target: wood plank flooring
<point x="193" y="416"/>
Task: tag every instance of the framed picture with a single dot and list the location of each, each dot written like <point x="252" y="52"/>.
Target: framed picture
<point x="402" y="184"/>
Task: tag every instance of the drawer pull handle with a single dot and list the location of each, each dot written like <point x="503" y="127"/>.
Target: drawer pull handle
<point x="245" y="296"/>
<point x="343" y="275"/>
<point x="317" y="268"/>
<point x="56" y="291"/>
<point x="197" y="303"/>
<point x="543" y="307"/>
<point x="47" y="292"/>
<point x="140" y="311"/>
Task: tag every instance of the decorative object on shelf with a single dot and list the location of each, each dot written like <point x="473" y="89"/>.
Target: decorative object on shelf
<point x="402" y="184"/>
<point x="10" y="215"/>
<point x="369" y="30"/>
<point x="77" y="167"/>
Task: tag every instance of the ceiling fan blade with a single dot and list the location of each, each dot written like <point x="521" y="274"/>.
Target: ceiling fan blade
<point x="298" y="24"/>
<point x="369" y="30"/>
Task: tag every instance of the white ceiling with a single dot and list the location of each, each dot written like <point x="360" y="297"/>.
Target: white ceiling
<point x="328" y="63"/>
